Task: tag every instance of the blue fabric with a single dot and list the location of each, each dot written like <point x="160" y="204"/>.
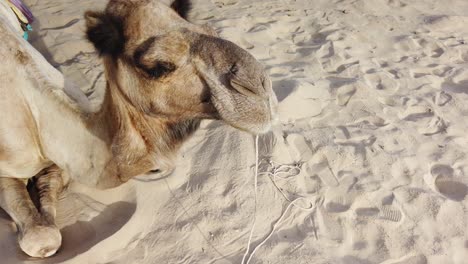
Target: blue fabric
<point x="26" y="33"/>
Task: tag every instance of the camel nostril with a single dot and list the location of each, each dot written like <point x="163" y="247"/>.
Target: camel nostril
<point x="244" y="88"/>
<point x="234" y="69"/>
<point x="264" y="84"/>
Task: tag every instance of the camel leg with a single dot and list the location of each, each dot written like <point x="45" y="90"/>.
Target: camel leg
<point x="37" y="238"/>
<point x="49" y="185"/>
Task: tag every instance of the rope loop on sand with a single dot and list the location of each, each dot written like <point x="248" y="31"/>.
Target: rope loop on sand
<point x="278" y="171"/>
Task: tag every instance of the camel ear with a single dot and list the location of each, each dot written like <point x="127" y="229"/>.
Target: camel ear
<point x="105" y="32"/>
<point x="182" y="7"/>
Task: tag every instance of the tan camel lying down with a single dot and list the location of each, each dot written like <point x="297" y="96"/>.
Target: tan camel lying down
<point x="164" y="75"/>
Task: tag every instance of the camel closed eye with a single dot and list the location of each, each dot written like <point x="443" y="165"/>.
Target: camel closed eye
<point x="153" y="69"/>
<point x="160" y="69"/>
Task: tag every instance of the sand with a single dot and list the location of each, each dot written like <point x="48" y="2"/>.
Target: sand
<point x="372" y="100"/>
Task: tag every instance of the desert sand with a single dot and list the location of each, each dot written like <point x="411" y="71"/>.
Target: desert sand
<point x="371" y="144"/>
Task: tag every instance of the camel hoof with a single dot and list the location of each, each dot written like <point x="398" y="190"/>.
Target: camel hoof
<point x="41" y="241"/>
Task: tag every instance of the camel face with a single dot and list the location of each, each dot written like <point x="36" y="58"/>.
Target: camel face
<point x="166" y="66"/>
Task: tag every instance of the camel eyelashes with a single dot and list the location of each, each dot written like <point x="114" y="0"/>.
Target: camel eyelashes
<point x="160" y="69"/>
<point x="156" y="69"/>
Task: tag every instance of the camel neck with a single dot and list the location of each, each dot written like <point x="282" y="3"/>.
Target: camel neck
<point x="139" y="142"/>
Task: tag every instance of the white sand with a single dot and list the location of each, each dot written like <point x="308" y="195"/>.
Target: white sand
<point x="373" y="101"/>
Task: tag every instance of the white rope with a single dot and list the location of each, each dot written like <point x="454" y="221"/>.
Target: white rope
<point x="255" y="206"/>
<point x="276" y="171"/>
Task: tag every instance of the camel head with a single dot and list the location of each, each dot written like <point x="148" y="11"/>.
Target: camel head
<point x="168" y="67"/>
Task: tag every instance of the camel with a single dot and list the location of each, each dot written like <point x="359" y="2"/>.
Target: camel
<point x="164" y="74"/>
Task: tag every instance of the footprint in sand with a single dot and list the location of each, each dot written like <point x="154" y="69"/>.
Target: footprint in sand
<point x="328" y="226"/>
<point x="369" y="122"/>
<point x="416" y="112"/>
<point x="367" y="211"/>
<point x="386" y="212"/>
<point x="390" y="101"/>
<point x="442" y="98"/>
<point x="340" y="198"/>
<point x="432" y="49"/>
<point x="332" y="60"/>
<point x="309" y="183"/>
<point x="435" y="126"/>
<point x="342" y="88"/>
<point x="386" y="209"/>
<point x="441" y="71"/>
<point x="423" y="47"/>
<point x="441" y="180"/>
<point x="344" y="94"/>
<point x="382" y="82"/>
<point x="326" y="51"/>
<point x="390" y="213"/>
<point x="406" y="45"/>
<point x="348" y="65"/>
<point x="319" y="166"/>
<point x="298" y="148"/>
